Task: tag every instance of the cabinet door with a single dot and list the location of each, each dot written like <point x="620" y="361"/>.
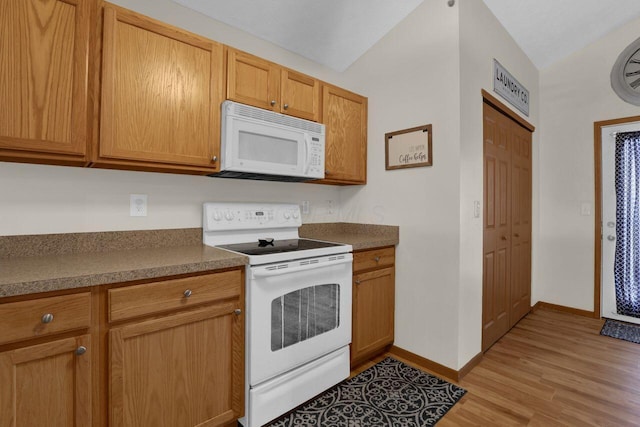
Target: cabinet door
<point x="161" y="94"/>
<point x="345" y="116"/>
<point x="253" y="81"/>
<point x="300" y="95"/>
<point x="43" y="79"/>
<point x="373" y="312"/>
<point x="47" y="384"/>
<point x="183" y="370"/>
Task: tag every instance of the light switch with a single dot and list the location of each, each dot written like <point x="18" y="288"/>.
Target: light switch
<point x="585" y="209"/>
<point x="476" y="208"/>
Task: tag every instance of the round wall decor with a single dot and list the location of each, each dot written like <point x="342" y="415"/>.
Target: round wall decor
<point x="625" y="75"/>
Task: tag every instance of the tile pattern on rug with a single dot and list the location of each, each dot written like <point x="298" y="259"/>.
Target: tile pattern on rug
<point x="621" y="330"/>
<point x="389" y="393"/>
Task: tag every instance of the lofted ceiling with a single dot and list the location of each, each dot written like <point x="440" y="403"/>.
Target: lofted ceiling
<point x="335" y="33"/>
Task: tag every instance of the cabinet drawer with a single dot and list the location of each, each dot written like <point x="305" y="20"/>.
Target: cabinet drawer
<point x="374" y="258"/>
<point x="28" y="319"/>
<point x="139" y="300"/>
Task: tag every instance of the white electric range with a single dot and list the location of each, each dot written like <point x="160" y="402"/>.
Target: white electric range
<point x="298" y="305"/>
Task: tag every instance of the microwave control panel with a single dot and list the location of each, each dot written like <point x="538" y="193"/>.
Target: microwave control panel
<point x="316" y="157"/>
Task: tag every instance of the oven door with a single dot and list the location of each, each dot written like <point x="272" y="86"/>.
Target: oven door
<point x="297" y="312"/>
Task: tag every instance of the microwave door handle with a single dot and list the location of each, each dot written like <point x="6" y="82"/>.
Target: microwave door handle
<point x="307" y="146"/>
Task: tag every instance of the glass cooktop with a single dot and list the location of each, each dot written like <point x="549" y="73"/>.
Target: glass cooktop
<point x="270" y="246"/>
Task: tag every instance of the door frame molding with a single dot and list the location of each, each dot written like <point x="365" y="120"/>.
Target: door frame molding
<point x="597" y="235"/>
<point x="498" y="105"/>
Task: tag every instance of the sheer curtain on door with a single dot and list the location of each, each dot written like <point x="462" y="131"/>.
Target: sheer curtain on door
<point x="627" y="254"/>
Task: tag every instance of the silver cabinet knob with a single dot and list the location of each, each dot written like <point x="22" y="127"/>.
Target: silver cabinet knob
<point x="273" y="102"/>
<point x="81" y="350"/>
<point x="237" y="312"/>
<point x="187" y="293"/>
<point x="214" y="159"/>
<point x="357" y="282"/>
<point x="285" y="106"/>
<point x="611" y="237"/>
<point x="47" y="318"/>
<point x="377" y="259"/>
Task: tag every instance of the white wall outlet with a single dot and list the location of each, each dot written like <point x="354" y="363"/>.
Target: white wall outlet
<point x="585" y="209"/>
<point x="138" y="205"/>
<point x="305" y="207"/>
<point x="330" y="207"/>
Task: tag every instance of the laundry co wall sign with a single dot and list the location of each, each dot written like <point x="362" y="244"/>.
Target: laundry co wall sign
<point x="509" y="88"/>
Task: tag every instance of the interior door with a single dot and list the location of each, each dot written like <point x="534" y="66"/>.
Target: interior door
<point x="520" y="294"/>
<point x="506" y="281"/>
<point x="608" y="229"/>
<point x="497" y="228"/>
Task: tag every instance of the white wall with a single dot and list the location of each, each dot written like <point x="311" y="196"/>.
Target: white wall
<point x="574" y="93"/>
<point x="38" y="199"/>
<point x="482" y="38"/>
<point x="412" y="78"/>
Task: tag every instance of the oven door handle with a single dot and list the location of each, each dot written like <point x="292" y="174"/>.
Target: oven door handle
<point x="267" y="273"/>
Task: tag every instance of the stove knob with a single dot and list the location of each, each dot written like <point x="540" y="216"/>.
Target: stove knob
<point x="296" y="214"/>
<point x="229" y="216"/>
<point x="216" y="216"/>
<point x="287" y="215"/>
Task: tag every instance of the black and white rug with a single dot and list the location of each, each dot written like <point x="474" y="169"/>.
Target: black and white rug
<point x="621" y="330"/>
<point x="389" y="393"/>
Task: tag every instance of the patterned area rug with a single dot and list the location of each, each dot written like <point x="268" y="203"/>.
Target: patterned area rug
<point x="621" y="330"/>
<point x="389" y="393"/>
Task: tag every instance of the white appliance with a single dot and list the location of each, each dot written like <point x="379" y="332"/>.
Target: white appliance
<point x="261" y="144"/>
<point x="298" y="305"/>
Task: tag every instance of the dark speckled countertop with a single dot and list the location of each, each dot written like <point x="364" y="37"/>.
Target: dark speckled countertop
<point x="41" y="263"/>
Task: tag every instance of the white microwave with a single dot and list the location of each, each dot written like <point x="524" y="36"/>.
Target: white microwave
<point x="261" y="144"/>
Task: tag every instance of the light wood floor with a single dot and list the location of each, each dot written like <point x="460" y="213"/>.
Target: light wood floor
<point x="552" y="369"/>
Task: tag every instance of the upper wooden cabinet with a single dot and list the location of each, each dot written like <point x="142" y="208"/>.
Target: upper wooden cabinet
<point x="161" y="93"/>
<point x="345" y="115"/>
<point x="255" y="81"/>
<point x="43" y="80"/>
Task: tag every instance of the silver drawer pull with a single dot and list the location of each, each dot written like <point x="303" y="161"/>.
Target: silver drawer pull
<point x="47" y="318"/>
<point x="81" y="350"/>
<point x="187" y="293"/>
<point x="237" y="312"/>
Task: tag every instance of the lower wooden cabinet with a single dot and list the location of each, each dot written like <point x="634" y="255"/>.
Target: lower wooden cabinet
<point x="163" y="353"/>
<point x="373" y="303"/>
<point x="185" y="368"/>
<point x="48" y="383"/>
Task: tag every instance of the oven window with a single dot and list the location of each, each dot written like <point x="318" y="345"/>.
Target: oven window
<point x="303" y="314"/>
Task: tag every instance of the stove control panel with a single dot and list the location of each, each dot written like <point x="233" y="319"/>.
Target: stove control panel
<point x="250" y="216"/>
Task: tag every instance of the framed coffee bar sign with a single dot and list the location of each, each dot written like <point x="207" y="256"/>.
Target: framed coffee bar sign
<point x="408" y="148"/>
